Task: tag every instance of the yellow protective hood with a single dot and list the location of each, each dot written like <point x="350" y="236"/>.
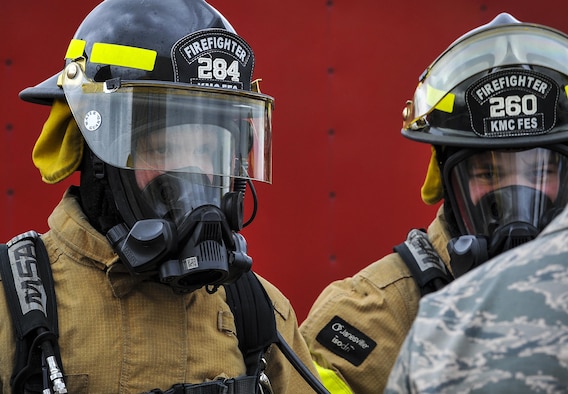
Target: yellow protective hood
<point x="432" y="190"/>
<point x="59" y="149"/>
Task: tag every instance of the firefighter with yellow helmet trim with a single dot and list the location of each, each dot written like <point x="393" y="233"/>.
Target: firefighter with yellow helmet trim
<point x="157" y="110"/>
<point x="494" y="108"/>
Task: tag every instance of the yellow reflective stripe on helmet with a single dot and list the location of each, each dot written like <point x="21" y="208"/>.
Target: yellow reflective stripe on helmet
<point x="125" y="56"/>
<point x="566" y="90"/>
<point x="114" y="55"/>
<point x="447" y="103"/>
<point x="333" y="383"/>
<point x="440" y="100"/>
<point x="75" y="49"/>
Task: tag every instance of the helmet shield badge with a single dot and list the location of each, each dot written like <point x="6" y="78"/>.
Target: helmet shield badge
<point x="213" y="58"/>
<point x="512" y="102"/>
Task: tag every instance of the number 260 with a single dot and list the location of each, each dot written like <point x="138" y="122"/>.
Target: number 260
<point x="513" y="105"/>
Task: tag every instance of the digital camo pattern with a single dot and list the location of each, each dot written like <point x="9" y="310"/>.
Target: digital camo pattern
<point x="502" y="328"/>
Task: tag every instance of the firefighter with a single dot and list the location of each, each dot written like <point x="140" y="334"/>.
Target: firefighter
<point x="157" y="109"/>
<point x="494" y="108"/>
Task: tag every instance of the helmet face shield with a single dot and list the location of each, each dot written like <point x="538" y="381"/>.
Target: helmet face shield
<point x="510" y="45"/>
<point x="176" y="146"/>
<point x="493" y="189"/>
<point x="160" y="126"/>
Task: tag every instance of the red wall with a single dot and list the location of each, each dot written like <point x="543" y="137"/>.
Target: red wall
<point x="346" y="184"/>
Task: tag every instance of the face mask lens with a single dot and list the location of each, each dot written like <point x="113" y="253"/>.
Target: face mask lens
<point x="176" y="168"/>
<point x="206" y="149"/>
<point x="493" y="189"/>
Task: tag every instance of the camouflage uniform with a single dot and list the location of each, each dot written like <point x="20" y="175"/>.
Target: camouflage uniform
<point x="501" y="328"/>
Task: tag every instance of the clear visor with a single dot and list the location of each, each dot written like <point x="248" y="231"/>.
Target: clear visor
<point x="496" y="188"/>
<point x="163" y="127"/>
<point x="496" y="47"/>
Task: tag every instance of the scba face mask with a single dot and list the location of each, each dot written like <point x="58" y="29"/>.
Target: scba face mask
<point x="178" y="157"/>
<point x="503" y="198"/>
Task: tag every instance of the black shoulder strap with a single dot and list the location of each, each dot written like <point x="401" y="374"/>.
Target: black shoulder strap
<point x="30" y="294"/>
<point x="256" y="328"/>
<point x="424" y="263"/>
<point x="254" y="319"/>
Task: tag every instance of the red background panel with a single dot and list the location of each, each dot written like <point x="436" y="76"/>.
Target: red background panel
<point x="346" y="184"/>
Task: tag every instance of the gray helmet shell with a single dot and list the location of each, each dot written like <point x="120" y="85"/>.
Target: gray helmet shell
<point x="156" y="25"/>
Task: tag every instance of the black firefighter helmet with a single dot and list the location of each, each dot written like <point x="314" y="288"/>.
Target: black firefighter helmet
<point x="494" y="106"/>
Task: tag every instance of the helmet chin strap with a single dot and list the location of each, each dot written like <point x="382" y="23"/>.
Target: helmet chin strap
<point x="96" y="197"/>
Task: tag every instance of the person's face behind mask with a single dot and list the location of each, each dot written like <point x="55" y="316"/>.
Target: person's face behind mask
<point x="183" y="148"/>
<point x="494" y="188"/>
<point x="493" y="170"/>
<point x="178" y="168"/>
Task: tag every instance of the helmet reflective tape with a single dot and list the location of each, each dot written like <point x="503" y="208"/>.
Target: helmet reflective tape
<point x="155" y="26"/>
<point x="114" y="55"/>
<point x="181" y="120"/>
<point x="75" y="49"/>
<point x="440" y="100"/>
<point x="125" y="56"/>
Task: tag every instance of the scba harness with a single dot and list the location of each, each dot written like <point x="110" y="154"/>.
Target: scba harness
<point x="30" y="294"/>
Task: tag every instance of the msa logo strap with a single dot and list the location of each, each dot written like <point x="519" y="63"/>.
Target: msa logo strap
<point x="512" y="103"/>
<point x="28" y="284"/>
<point x="213" y="58"/>
<point x="346" y="341"/>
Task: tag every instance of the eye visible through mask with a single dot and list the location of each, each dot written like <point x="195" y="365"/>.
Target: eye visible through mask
<point x="503" y="198"/>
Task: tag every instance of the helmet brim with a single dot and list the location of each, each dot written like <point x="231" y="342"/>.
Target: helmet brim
<point x="438" y="136"/>
<point x="43" y="93"/>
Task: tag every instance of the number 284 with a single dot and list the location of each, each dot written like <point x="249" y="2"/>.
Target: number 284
<point x="217" y="68"/>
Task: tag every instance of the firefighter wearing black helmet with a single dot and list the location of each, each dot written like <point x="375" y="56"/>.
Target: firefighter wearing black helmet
<point x="494" y="108"/>
<point x="157" y="109"/>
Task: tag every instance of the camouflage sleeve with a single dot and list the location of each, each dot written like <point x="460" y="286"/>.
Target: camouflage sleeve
<point x="398" y="382"/>
<point x="501" y="328"/>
